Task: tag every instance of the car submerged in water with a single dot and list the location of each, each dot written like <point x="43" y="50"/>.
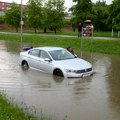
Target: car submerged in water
<point x="55" y="60"/>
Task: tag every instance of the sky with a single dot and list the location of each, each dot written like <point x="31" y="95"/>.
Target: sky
<point x="68" y="3"/>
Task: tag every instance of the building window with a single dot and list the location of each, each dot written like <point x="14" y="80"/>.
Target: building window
<point x="2" y="8"/>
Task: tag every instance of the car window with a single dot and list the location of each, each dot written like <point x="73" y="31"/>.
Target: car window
<point x="44" y="54"/>
<point x="34" y="52"/>
<point x="61" y="55"/>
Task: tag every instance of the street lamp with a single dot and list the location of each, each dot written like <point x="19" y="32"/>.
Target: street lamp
<point x="113" y="20"/>
<point x="21" y="23"/>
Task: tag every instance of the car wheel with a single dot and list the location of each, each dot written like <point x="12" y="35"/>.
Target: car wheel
<point x="58" y="72"/>
<point x="25" y="65"/>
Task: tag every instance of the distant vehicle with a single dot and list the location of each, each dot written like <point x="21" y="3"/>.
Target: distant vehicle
<point x="55" y="60"/>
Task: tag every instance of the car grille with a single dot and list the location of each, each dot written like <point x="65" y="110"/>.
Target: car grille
<point x="84" y="70"/>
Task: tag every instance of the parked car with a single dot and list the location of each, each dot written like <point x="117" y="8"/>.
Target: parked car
<point x="55" y="60"/>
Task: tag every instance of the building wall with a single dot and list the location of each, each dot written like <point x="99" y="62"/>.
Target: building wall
<point x="4" y="6"/>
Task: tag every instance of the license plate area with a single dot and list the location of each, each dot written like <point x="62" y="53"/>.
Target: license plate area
<point x="85" y="75"/>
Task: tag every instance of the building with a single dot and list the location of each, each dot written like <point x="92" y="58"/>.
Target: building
<point x="4" y="6"/>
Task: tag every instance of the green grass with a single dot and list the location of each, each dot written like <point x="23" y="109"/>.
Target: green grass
<point x="100" y="46"/>
<point x="10" y="112"/>
<point x="95" y="34"/>
<point x="64" y="31"/>
<point x="105" y="34"/>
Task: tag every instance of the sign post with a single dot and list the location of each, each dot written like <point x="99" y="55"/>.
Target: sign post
<point x="113" y="20"/>
<point x="21" y="24"/>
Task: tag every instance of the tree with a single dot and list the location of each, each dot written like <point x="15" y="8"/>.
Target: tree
<point x="100" y="16"/>
<point x="73" y="23"/>
<point x="34" y="14"/>
<point x="54" y="14"/>
<point x="115" y="14"/>
<point x="12" y="16"/>
<point x="82" y="9"/>
<point x="1" y="19"/>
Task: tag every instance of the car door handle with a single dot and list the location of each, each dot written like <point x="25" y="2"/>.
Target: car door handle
<point x="39" y="60"/>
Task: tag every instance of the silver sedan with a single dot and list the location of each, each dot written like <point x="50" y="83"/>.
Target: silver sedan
<point x="55" y="60"/>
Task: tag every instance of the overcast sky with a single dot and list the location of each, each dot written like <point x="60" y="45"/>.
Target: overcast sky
<point x="68" y="3"/>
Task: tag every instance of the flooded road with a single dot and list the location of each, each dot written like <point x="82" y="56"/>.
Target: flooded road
<point x="90" y="98"/>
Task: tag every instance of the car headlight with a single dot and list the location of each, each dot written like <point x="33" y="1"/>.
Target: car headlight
<point x="68" y="70"/>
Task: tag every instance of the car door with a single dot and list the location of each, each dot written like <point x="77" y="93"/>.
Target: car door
<point x="45" y="65"/>
<point x="34" y="59"/>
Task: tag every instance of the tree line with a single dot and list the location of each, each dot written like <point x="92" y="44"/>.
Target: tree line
<point x="103" y="16"/>
<point x="50" y="14"/>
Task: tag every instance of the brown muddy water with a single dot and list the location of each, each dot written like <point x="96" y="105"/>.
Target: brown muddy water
<point x="90" y="98"/>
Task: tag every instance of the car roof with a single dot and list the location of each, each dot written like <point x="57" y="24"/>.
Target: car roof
<point x="49" y="48"/>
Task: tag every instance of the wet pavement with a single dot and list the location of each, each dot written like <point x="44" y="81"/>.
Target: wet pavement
<point x="90" y="98"/>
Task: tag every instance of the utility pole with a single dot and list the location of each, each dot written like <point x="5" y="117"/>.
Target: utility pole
<point x="21" y="23"/>
<point x="113" y="20"/>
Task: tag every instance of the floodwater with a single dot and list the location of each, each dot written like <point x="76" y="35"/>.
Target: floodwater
<point x="91" y="98"/>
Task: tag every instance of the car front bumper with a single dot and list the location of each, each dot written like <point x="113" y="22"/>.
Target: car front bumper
<point x="74" y="75"/>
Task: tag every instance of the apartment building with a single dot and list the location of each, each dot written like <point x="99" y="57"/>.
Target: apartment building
<point x="4" y="6"/>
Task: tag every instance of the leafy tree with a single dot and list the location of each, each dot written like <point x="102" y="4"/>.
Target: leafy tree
<point x="73" y="23"/>
<point x="1" y="19"/>
<point x="54" y="14"/>
<point x="13" y="15"/>
<point x="82" y="9"/>
<point x="45" y="17"/>
<point x="115" y="14"/>
<point x="34" y="14"/>
<point x="100" y="16"/>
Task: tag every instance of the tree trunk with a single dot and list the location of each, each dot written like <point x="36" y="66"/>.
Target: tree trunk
<point x="45" y="30"/>
<point x="35" y="30"/>
<point x="16" y="29"/>
<point x="73" y="29"/>
<point x="55" y="31"/>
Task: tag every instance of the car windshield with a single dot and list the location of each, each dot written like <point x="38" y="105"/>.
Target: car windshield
<point x="61" y="54"/>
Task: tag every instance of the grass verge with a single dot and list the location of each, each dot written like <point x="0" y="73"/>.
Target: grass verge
<point x="84" y="44"/>
<point x="10" y="112"/>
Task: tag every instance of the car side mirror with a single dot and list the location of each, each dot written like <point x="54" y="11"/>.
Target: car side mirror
<point x="75" y="56"/>
<point x="48" y="59"/>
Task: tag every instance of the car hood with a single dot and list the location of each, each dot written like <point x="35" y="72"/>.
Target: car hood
<point x="75" y="64"/>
